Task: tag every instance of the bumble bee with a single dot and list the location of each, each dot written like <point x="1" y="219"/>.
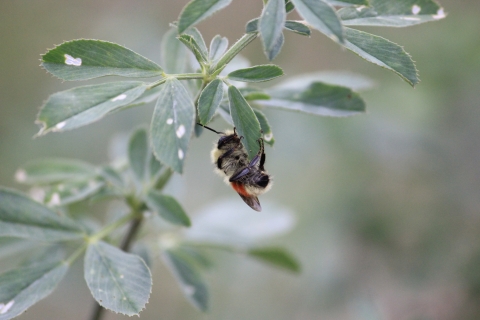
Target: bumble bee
<point x="248" y="178"/>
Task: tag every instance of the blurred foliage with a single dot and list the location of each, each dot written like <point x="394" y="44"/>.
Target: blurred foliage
<point x="387" y="203"/>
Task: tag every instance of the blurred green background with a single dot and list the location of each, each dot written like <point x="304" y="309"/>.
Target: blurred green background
<point x="387" y="203"/>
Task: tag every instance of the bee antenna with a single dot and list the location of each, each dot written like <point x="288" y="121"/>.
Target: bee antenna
<point x="217" y="132"/>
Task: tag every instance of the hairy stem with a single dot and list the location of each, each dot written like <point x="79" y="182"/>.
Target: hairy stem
<point x="234" y="50"/>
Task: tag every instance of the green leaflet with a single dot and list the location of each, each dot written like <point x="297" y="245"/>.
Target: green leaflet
<point x="271" y="25"/>
<point x="168" y="208"/>
<point x="260" y="73"/>
<point x="392" y="13"/>
<point x="316" y="98"/>
<point x="278" y="257"/>
<point x="80" y="106"/>
<point x="245" y="121"/>
<point x="21" y="217"/>
<point x="198" y="10"/>
<point x="382" y="52"/>
<point x="119" y="281"/>
<point x="322" y="17"/>
<point x="45" y="171"/>
<point x="139" y="154"/>
<point x="26" y="285"/>
<point x="188" y="276"/>
<point x="209" y="101"/>
<point x="87" y="59"/>
<point x="172" y="124"/>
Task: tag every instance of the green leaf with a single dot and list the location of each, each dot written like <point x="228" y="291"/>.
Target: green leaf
<point x="252" y="26"/>
<point x="322" y="17"/>
<point x="317" y="98"/>
<point x="24" y="286"/>
<point x="193" y="32"/>
<point x="382" y="52"/>
<point x="251" y="93"/>
<point x="197" y="255"/>
<point x="174" y="53"/>
<point x="192" y="44"/>
<point x="348" y="2"/>
<point x="47" y="171"/>
<point x="88" y="59"/>
<point x="168" y="208"/>
<point x="50" y="254"/>
<point x="21" y="217"/>
<point x="112" y="176"/>
<point x="189" y="278"/>
<point x="72" y="191"/>
<point x="297" y="27"/>
<point x="289" y="6"/>
<point x="278" y="257"/>
<point x="277" y="47"/>
<point x="172" y="124"/>
<point x="260" y="73"/>
<point x="198" y="10"/>
<point x="139" y="154"/>
<point x="392" y="13"/>
<point x="154" y="167"/>
<point x="266" y="129"/>
<point x="271" y="25"/>
<point x="161" y="180"/>
<point x="351" y="80"/>
<point x="218" y="46"/>
<point x="80" y="106"/>
<point x="245" y="121"/>
<point x="149" y="95"/>
<point x="119" y="281"/>
<point x="209" y="101"/>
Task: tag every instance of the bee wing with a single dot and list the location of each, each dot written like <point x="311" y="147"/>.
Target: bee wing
<point x="237" y="175"/>
<point x="252" y="202"/>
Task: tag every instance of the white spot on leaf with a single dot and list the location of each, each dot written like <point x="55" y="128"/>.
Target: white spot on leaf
<point x="360" y="8"/>
<point x="7" y="307"/>
<point x="60" y="125"/>
<point x="21" y="175"/>
<point x="416" y="9"/>
<point x="180" y="154"/>
<point x="190" y="290"/>
<point x="268" y="136"/>
<point x="169" y="121"/>
<point x="119" y="97"/>
<point x="440" y="14"/>
<point x="71" y="61"/>
<point x="121" y="276"/>
<point x="37" y="194"/>
<point x="180" y="131"/>
<point x="54" y="200"/>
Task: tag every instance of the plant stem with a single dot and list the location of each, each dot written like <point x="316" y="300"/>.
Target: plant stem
<point x="234" y="50"/>
<point x="180" y="76"/>
<point x="98" y="310"/>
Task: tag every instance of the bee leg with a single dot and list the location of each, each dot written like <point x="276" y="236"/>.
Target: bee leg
<point x="261" y="153"/>
<point x="217" y="132"/>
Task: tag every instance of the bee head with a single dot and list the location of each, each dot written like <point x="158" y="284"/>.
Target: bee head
<point x="228" y="140"/>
